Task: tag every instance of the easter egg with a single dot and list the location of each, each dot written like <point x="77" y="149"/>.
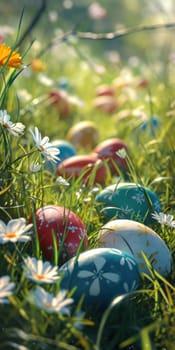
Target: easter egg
<point x="89" y="167"/>
<point x="63" y="83"/>
<point x="107" y="150"/>
<point x="151" y="124"/>
<point x="105" y="104"/>
<point x="128" y="200"/>
<point x="99" y="275"/>
<point x="67" y="228"/>
<point x="65" y="150"/>
<point x="60" y="100"/>
<point x="83" y="135"/>
<point x="133" y="237"/>
<point x="142" y="83"/>
<point x="105" y="90"/>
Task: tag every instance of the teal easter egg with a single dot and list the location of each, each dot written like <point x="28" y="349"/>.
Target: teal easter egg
<point x="128" y="201"/>
<point x="99" y="275"/>
<point x="65" y="150"/>
<point x="133" y="237"/>
<point x="63" y="83"/>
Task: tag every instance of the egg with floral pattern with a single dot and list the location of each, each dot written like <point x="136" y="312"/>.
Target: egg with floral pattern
<point x="136" y="238"/>
<point x="99" y="275"/>
<point x="68" y="230"/>
<point x="127" y="200"/>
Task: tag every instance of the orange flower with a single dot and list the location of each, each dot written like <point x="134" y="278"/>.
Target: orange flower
<point x="37" y="65"/>
<point x="9" y="57"/>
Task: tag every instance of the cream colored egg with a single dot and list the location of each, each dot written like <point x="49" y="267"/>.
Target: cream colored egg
<point x="84" y="134"/>
<point x="136" y="239"/>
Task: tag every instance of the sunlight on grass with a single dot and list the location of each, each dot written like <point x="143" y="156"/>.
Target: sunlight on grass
<point x="49" y="82"/>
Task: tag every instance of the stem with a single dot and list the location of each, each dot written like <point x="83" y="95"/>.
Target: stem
<point x="33" y="23"/>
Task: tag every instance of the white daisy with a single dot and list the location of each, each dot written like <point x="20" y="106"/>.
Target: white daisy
<point x="122" y="153"/>
<point x="6" y="288"/>
<point x="164" y="219"/>
<point x="49" y="302"/>
<point x="35" y="167"/>
<point x="62" y="181"/>
<point x="44" y="146"/>
<point x="15" y="231"/>
<point x="16" y="129"/>
<point x="39" y="271"/>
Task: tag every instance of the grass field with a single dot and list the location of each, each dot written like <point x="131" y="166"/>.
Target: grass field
<point x="137" y="107"/>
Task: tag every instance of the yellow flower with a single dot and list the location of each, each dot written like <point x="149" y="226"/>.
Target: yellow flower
<point x="9" y="57"/>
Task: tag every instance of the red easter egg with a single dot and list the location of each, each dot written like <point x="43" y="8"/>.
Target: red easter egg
<point x="108" y="150"/>
<point x="106" y="104"/>
<point x="59" y="99"/>
<point x="143" y="83"/>
<point x="66" y="227"/>
<point x="105" y="90"/>
<point x="91" y="168"/>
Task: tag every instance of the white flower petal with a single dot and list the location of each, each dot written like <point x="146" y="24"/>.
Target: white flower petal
<point x="16" y="225"/>
<point x="44" y="141"/>
<point x="2" y="227"/>
<point x="40" y="272"/>
<point x="6" y="289"/>
<point x="48" y="302"/>
<point x="14" y="231"/>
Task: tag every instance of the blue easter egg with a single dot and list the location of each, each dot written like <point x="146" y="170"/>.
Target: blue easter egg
<point x="99" y="275"/>
<point x="151" y="124"/>
<point x="63" y="83"/>
<point x="65" y="150"/>
<point x="128" y="201"/>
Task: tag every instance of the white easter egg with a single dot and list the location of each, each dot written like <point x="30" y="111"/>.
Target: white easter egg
<point x="136" y="238"/>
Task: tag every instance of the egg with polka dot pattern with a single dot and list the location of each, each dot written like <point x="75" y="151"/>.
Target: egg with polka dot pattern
<point x="68" y="229"/>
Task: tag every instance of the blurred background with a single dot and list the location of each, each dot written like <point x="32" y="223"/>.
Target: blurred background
<point x="99" y="16"/>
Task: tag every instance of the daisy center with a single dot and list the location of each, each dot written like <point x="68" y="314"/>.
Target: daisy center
<point x="42" y="148"/>
<point x="49" y="306"/>
<point x="10" y="234"/>
<point x="39" y="276"/>
<point x="7" y="125"/>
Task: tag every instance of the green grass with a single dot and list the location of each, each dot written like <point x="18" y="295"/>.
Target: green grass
<point x="143" y="320"/>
